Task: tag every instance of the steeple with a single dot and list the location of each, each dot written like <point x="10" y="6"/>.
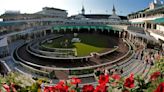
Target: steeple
<point x="83" y="10"/>
<point x="114" y="10"/>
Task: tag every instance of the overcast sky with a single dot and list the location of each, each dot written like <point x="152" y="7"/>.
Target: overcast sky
<point x="123" y="7"/>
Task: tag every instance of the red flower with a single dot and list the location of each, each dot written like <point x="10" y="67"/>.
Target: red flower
<point x="51" y="89"/>
<point x="116" y="77"/>
<point x="7" y="88"/>
<point x="103" y="79"/>
<point x="160" y="87"/>
<point x="13" y="88"/>
<point x="61" y="87"/>
<point x="88" y="88"/>
<point x="155" y="75"/>
<point x="101" y="88"/>
<point x="129" y="82"/>
<point x="72" y="91"/>
<point x="46" y="89"/>
<point x="75" y="80"/>
<point x="61" y="82"/>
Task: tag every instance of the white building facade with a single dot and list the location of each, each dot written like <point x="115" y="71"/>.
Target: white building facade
<point x="151" y="19"/>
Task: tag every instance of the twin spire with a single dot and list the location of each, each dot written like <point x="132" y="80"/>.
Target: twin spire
<point x="83" y="10"/>
<point x="114" y="10"/>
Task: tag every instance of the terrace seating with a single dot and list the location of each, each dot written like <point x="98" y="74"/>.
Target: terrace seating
<point x="128" y="66"/>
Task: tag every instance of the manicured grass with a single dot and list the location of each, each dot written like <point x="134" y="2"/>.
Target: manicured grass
<point x="89" y="43"/>
<point x="85" y="49"/>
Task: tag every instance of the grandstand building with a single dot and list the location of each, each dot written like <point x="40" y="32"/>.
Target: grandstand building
<point x="22" y="36"/>
<point x="48" y="17"/>
<point x="151" y="19"/>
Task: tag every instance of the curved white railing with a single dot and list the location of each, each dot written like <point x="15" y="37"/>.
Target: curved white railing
<point x="77" y="68"/>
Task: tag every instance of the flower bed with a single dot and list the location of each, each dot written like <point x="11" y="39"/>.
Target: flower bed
<point x="15" y="82"/>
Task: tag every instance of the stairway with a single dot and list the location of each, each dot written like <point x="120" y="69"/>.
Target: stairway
<point x="62" y="75"/>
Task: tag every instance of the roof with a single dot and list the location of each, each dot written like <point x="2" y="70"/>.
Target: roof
<point x="20" y="15"/>
<point x="51" y="8"/>
<point x="140" y="11"/>
<point x="146" y="10"/>
<point x="114" y="17"/>
<point x="107" y="27"/>
<point x="99" y="16"/>
<point x="161" y="7"/>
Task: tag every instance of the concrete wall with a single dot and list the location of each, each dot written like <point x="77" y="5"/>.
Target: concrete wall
<point x="156" y="36"/>
<point x="160" y="27"/>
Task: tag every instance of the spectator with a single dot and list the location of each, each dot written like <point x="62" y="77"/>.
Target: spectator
<point x="98" y="72"/>
<point x="142" y="54"/>
<point x="106" y="72"/>
<point x="121" y="71"/>
<point x="42" y="86"/>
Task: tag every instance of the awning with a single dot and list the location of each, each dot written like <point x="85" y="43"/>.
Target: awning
<point x="137" y="22"/>
<point x="10" y="23"/>
<point x="159" y="20"/>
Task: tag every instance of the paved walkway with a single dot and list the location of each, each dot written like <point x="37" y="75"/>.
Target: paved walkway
<point x="8" y="60"/>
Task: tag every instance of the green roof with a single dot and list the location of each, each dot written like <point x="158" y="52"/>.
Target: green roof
<point x="10" y="23"/>
<point x="86" y="27"/>
<point x="137" y="22"/>
<point x="159" y="20"/>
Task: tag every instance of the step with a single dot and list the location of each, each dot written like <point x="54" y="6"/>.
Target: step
<point x="140" y="69"/>
<point x="145" y="74"/>
<point x="130" y="70"/>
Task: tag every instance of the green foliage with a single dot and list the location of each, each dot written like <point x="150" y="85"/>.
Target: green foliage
<point x="34" y="87"/>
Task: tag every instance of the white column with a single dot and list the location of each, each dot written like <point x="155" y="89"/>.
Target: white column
<point x="119" y="34"/>
<point x="51" y="30"/>
<point x="152" y="26"/>
<point x="44" y="32"/>
<point x="129" y="36"/>
<point x="145" y="25"/>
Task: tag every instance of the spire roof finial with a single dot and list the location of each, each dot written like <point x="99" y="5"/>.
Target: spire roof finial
<point x="83" y="10"/>
<point x="114" y="10"/>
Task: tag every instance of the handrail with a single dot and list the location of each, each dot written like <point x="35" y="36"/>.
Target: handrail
<point x="5" y="65"/>
<point x="51" y="57"/>
<point x="77" y="68"/>
<point x="42" y="54"/>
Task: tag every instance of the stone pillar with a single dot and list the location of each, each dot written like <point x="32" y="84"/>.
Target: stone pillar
<point x="64" y="29"/>
<point x="152" y="26"/>
<point x="71" y="29"/>
<point x="89" y="29"/>
<point x="124" y="34"/>
<point x="58" y="30"/>
<point x="78" y="29"/>
<point x="51" y="30"/>
<point x="119" y="33"/>
<point x="44" y="32"/>
<point x="143" y="41"/>
<point x="130" y="36"/>
<point x="145" y="25"/>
